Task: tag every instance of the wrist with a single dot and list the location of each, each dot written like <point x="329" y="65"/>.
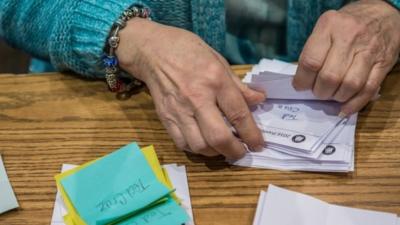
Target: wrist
<point x="134" y="39"/>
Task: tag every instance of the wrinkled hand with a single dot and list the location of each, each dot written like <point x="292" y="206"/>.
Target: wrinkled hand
<point x="350" y="52"/>
<point x="193" y="89"/>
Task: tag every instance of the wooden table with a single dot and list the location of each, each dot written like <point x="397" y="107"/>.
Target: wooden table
<point x="48" y="120"/>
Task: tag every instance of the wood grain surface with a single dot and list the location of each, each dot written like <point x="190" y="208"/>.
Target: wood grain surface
<point x="47" y="120"/>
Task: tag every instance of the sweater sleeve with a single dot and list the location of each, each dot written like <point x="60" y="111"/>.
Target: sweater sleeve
<point x="71" y="34"/>
<point x="395" y="3"/>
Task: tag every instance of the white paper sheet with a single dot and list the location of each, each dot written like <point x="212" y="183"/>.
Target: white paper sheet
<point x="8" y="200"/>
<point x="279" y="206"/>
<point x="178" y="178"/>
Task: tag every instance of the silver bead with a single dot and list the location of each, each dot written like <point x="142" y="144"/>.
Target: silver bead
<point x="121" y="22"/>
<point x="111" y="70"/>
<point x="130" y="13"/>
<point x="113" y="41"/>
<point x="135" y="11"/>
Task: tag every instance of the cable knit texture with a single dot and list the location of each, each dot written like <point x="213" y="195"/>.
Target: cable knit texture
<point x="71" y="34"/>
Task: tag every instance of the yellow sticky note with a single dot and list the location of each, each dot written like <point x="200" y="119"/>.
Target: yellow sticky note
<point x="162" y="175"/>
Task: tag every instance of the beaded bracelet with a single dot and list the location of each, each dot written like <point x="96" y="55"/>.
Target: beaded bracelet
<point x="115" y="82"/>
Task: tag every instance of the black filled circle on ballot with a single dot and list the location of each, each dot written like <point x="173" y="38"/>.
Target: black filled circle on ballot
<point x="329" y="150"/>
<point x="298" y="138"/>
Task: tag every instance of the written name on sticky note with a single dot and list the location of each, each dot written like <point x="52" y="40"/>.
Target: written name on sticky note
<point x="168" y="212"/>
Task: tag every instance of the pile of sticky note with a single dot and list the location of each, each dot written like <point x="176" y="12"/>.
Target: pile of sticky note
<point x="279" y="206"/>
<point x="128" y="186"/>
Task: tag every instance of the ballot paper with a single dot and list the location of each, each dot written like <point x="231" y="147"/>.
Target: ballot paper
<point x="8" y="200"/>
<point x="279" y="206"/>
<point x="177" y="175"/>
<point x="297" y="124"/>
<point x="300" y="132"/>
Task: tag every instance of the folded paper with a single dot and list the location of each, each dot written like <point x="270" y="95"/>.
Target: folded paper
<point x="279" y="206"/>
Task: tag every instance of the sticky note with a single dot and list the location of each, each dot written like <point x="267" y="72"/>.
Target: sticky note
<point x="8" y="200"/>
<point x="113" y="187"/>
<point x="151" y="157"/>
<point x="168" y="212"/>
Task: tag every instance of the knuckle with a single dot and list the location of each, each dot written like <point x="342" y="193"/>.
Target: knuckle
<point x="310" y="63"/>
<point x="187" y="95"/>
<point x="237" y="155"/>
<point x="385" y="62"/>
<point x="321" y="95"/>
<point x="341" y="98"/>
<point x="371" y="88"/>
<point x="215" y="73"/>
<point x="353" y="85"/>
<point x="198" y="147"/>
<point x="219" y="140"/>
<point x="208" y="152"/>
<point x="238" y="116"/>
<point x="329" y="17"/>
<point x="166" y="117"/>
<point x="180" y="144"/>
<point x="330" y="78"/>
<point x="375" y="46"/>
<point x="357" y="28"/>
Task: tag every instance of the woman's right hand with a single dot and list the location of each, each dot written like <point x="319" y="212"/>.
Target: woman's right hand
<point x="193" y="89"/>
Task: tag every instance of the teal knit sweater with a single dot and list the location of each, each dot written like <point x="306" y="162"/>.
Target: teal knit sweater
<point x="71" y="34"/>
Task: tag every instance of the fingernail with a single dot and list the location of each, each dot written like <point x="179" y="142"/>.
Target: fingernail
<point x="342" y="114"/>
<point x="258" y="148"/>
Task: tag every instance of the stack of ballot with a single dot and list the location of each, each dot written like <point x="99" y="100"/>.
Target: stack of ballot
<point x="128" y="186"/>
<point x="278" y="206"/>
<point x="301" y="132"/>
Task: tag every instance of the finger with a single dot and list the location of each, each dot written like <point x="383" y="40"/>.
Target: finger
<point x="312" y="57"/>
<point x="355" y="78"/>
<point x="194" y="138"/>
<point x="176" y="134"/>
<point x="232" y="104"/>
<point x="368" y="92"/>
<point x="330" y="76"/>
<point x="251" y="96"/>
<point x="217" y="134"/>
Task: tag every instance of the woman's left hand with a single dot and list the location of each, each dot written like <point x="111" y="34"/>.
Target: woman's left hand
<point x="350" y="52"/>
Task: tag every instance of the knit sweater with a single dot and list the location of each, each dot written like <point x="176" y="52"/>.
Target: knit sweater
<point x="71" y="34"/>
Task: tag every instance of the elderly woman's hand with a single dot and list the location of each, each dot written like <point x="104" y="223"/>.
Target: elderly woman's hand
<point x="350" y="52"/>
<point x="193" y="89"/>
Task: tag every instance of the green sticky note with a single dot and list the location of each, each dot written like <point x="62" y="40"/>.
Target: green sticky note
<point x="168" y="212"/>
<point x="115" y="186"/>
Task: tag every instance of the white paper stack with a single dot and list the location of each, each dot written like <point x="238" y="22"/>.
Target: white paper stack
<point x="279" y="206"/>
<point x="177" y="175"/>
<point x="301" y="132"/>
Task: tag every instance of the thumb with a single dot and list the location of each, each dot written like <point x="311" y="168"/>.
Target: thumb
<point x="251" y="96"/>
